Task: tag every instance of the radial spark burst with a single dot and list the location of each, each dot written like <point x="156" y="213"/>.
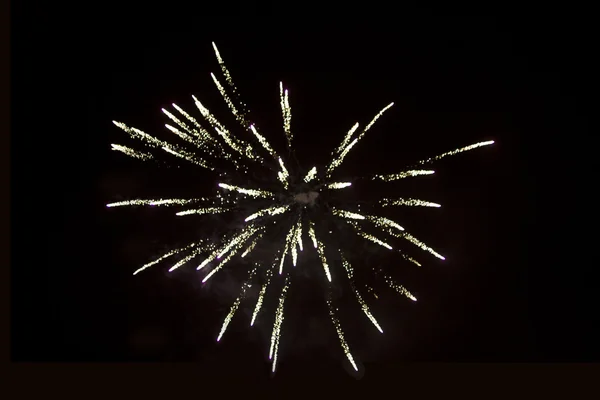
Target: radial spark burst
<point x="278" y="213"/>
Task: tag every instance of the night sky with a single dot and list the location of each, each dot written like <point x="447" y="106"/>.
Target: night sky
<point x="455" y="80"/>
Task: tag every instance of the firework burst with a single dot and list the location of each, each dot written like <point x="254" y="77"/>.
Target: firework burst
<point x="283" y="207"/>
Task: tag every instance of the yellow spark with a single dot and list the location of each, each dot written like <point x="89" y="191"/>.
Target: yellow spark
<point x="250" y="192"/>
<point x="311" y="233"/>
<point x="201" y="133"/>
<point x="228" y="318"/>
<point x="289" y="245"/>
<point x="401" y="175"/>
<point x="263" y="142"/>
<point x="223" y="262"/>
<point x="369" y="236"/>
<point x="361" y="301"/>
<point x="338" y="185"/>
<point x="153" y="202"/>
<point x="235" y="241"/>
<point x="183" y="135"/>
<point x="177" y="121"/>
<point x="311" y="175"/>
<point x="138" y="134"/>
<point x="208" y="115"/>
<point x="408" y="202"/>
<point x="283" y="175"/>
<point x="131" y="152"/>
<point x="259" y="302"/>
<point x="225" y="97"/>
<point x="184" y="260"/>
<point x="347" y="138"/>
<point x="279" y="316"/>
<point x="261" y="295"/>
<point x="338" y="329"/>
<point x="347" y="214"/>
<point x="321" y="251"/>
<point x="237" y="145"/>
<point x="375" y="118"/>
<point x="415" y="241"/>
<point x="384" y="222"/>
<point x="222" y="65"/>
<point x="187" y="156"/>
<point x="242" y="237"/>
<point x="337" y="161"/>
<point x="370" y="289"/>
<point x="267" y="211"/>
<point x="287" y="113"/>
<point x="399" y="288"/>
<point x="375" y="240"/>
<point x="201" y="144"/>
<point x="422" y="245"/>
<point x="294" y="255"/>
<point x="169" y="254"/>
<point x="412" y="260"/>
<point x="299" y="233"/>
<point x="252" y="245"/>
<point x="235" y="305"/>
<point x="230" y="104"/>
<point x="285" y="249"/>
<point x="234" y="143"/>
<point x="228" y="78"/>
<point x="207" y="210"/>
<point x="451" y="153"/>
<point x="162" y="202"/>
<point x="293" y="241"/>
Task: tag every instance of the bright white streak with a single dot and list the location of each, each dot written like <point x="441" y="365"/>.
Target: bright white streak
<point x="311" y="175"/>
<point x="311" y="233"/>
<point x="208" y="210"/>
<point x="337" y="161"/>
<point x="401" y="175"/>
<point x="338" y="329"/>
<point x="275" y="336"/>
<point x="267" y="211"/>
<point x="249" y="192"/>
<point x="451" y="153"/>
<point x="159" y="202"/>
<point x="347" y="138"/>
<point x="321" y="252"/>
<point x="131" y="152"/>
<point x="186" y="259"/>
<point x="259" y="302"/>
<point x="252" y="245"/>
<point x="338" y="185"/>
<point x="347" y="214"/>
<point x="169" y="254"/>
<point x="263" y="142"/>
<point x="299" y="234"/>
<point x="408" y="202"/>
<point x="235" y="305"/>
<point x="422" y="245"/>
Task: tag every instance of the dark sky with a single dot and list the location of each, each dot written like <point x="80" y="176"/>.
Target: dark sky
<point x="455" y="79"/>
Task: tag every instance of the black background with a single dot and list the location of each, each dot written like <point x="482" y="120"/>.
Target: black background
<point x="511" y="287"/>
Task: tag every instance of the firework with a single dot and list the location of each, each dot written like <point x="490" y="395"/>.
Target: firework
<point x="213" y="146"/>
